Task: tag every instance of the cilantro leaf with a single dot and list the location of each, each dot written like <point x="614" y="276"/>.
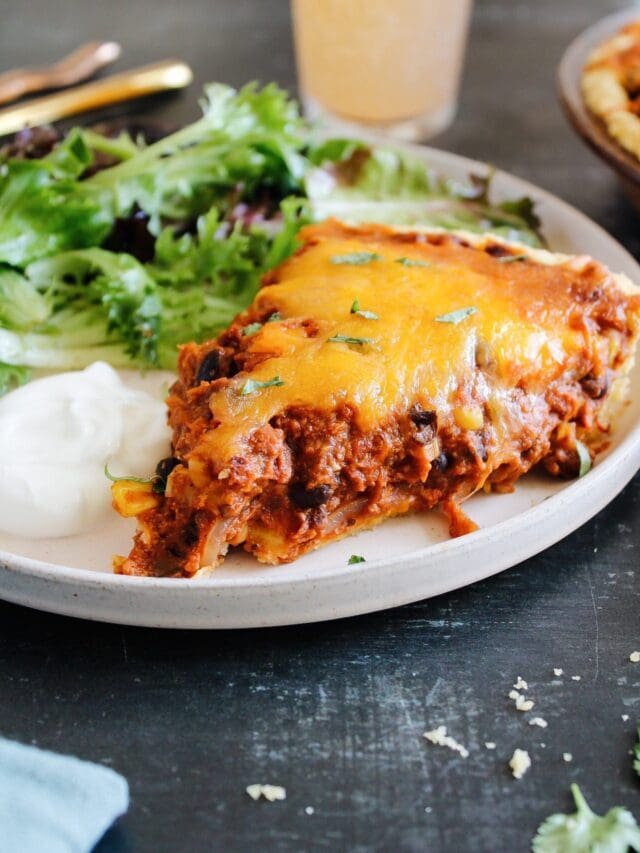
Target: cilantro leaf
<point x="509" y="259"/>
<point x="586" y="832"/>
<point x="251" y="329"/>
<point x="368" y="315"/>
<point x="253" y="385"/>
<point x="145" y="481"/>
<point x="347" y="339"/>
<point x="585" y="459"/>
<point x="355" y="258"/>
<point x="456" y="316"/>
<point x="412" y="262"/>
<point x="355" y="558"/>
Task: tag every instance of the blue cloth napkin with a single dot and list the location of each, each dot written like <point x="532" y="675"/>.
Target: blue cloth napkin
<point x="53" y="803"/>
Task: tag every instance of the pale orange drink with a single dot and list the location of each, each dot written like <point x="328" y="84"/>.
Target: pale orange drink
<point x="391" y="65"/>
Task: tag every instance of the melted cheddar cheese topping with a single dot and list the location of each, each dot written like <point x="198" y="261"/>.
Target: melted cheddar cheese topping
<point x="520" y="332"/>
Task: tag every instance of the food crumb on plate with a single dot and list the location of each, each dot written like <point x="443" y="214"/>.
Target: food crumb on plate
<point x="521" y="684"/>
<point x="557" y="671"/>
<point x="576" y="678"/>
<point x="567" y="756"/>
<point x="538" y="721"/>
<point x="519" y="763"/>
<point x="490" y="744"/>
<point x="309" y="810"/>
<point x="269" y="792"/>
<point x="625" y="717"/>
<point x="634" y="657"/>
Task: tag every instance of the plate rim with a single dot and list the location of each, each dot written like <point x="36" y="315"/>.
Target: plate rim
<point x="628" y="450"/>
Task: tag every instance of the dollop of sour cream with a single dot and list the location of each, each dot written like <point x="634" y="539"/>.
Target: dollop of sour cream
<point x="57" y="434"/>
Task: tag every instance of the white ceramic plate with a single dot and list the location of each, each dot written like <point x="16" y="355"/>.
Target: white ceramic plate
<point x="407" y="559"/>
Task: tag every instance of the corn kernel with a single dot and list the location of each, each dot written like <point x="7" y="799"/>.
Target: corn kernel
<point x="118" y="562"/>
<point x="198" y="472"/>
<point x="130" y="498"/>
<point x="468" y="417"/>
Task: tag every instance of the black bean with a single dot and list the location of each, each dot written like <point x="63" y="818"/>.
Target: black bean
<point x="441" y="463"/>
<point x="423" y="417"/>
<point x="209" y="367"/>
<point x="497" y="251"/>
<point x="595" y="386"/>
<point x="163" y="469"/>
<point x="309" y="498"/>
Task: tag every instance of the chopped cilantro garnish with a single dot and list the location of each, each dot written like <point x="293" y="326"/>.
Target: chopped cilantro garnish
<point x="347" y="339"/>
<point x="356" y="258"/>
<point x="509" y="259"/>
<point x="585" y="831"/>
<point x="251" y="329"/>
<point x="252" y="385"/>
<point x="146" y="481"/>
<point x="355" y="558"/>
<point x="585" y="459"/>
<point x="368" y="315"/>
<point x="412" y="262"/>
<point x="456" y="316"/>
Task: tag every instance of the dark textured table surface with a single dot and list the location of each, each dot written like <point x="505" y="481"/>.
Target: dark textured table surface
<point x="335" y="712"/>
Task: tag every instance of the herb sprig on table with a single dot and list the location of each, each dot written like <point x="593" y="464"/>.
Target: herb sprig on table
<point x="168" y="241"/>
<point x="585" y="831"/>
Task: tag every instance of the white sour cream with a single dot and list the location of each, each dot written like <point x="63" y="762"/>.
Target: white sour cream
<point x="57" y="433"/>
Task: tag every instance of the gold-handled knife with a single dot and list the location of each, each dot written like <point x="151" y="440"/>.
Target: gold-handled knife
<point x="159" y="77"/>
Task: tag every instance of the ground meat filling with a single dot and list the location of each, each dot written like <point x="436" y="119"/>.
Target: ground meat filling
<point x="314" y="473"/>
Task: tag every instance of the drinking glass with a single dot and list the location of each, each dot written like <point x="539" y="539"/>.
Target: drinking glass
<point x="392" y="66"/>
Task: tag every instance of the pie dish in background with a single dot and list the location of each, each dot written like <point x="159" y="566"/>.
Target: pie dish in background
<point x="588" y="125"/>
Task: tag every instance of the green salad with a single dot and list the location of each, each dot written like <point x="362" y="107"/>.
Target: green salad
<point x="114" y="249"/>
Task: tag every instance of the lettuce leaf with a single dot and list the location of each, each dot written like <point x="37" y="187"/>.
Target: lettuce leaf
<point x="248" y="139"/>
<point x="78" y="306"/>
<point x="12" y="377"/>
<point x="41" y="214"/>
<point x="358" y="183"/>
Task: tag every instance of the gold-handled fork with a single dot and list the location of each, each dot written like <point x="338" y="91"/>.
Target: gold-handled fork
<point x="159" y="77"/>
<point x="73" y="68"/>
